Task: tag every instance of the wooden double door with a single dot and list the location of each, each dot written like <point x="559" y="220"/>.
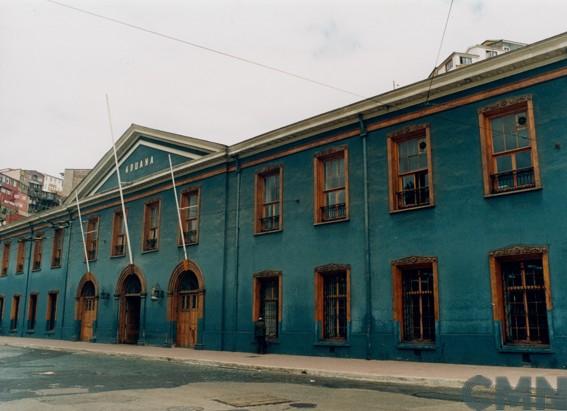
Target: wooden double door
<point x="130" y="319"/>
<point x="87" y="311"/>
<point x="187" y="318"/>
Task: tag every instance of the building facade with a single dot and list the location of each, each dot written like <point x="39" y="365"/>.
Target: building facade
<point x="423" y="224"/>
<point x="13" y="200"/>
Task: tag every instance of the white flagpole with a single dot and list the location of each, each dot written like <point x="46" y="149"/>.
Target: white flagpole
<point x="177" y="205"/>
<point x="82" y="233"/>
<point x="125" y="217"/>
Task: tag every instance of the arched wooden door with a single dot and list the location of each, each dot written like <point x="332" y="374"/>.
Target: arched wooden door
<point x="87" y="310"/>
<point x="188" y="304"/>
<point x="130" y="308"/>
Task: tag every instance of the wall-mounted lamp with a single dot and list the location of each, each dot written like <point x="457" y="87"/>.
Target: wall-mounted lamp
<point x="104" y="295"/>
<point x="157" y="293"/>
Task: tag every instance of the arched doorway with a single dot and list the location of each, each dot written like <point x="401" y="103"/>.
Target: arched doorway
<point x="87" y="307"/>
<point x="186" y="303"/>
<point x="130" y="297"/>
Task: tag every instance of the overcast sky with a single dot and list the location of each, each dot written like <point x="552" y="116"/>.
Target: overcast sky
<point x="56" y="64"/>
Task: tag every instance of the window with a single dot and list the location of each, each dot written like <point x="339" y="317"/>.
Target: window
<point x="268" y="300"/>
<point x="51" y="311"/>
<point x="118" y="235"/>
<point x="333" y="301"/>
<point x="269" y="199"/>
<point x="521" y="294"/>
<point x="1" y="311"/>
<point x="5" y="259"/>
<point x="491" y="53"/>
<point x="151" y="226"/>
<point x="449" y="65"/>
<point x="57" y="250"/>
<point x="32" y="312"/>
<point x="20" y="256"/>
<point x="37" y="252"/>
<point x="331" y="186"/>
<point x="189" y="210"/>
<point x="509" y="148"/>
<point x="466" y="60"/>
<point x="14" y="312"/>
<point x="91" y="234"/>
<point x="416" y="309"/>
<point x="411" y="178"/>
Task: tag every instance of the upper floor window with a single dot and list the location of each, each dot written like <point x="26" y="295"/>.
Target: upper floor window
<point x="466" y="60"/>
<point x="5" y="259"/>
<point x="491" y="53"/>
<point x="411" y="179"/>
<point x="118" y="235"/>
<point x="20" y="256"/>
<point x="521" y="294"/>
<point x="37" y="252"/>
<point x="449" y="65"/>
<point x="189" y="209"/>
<point x="151" y="226"/>
<point x="509" y="148"/>
<point x="57" y="250"/>
<point x="331" y="186"/>
<point x="91" y="235"/>
<point x="269" y="197"/>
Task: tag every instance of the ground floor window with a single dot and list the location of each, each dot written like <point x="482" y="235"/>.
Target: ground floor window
<point x="32" y="312"/>
<point x="51" y="311"/>
<point x="415" y="298"/>
<point x="267" y="300"/>
<point x="521" y="294"/>
<point x="333" y="301"/>
<point x="14" y="312"/>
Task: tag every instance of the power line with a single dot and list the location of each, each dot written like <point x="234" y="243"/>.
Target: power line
<point x="209" y="49"/>
<point x="439" y="50"/>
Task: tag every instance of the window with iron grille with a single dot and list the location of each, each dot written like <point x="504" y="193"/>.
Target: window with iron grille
<point x="332" y="301"/>
<point x="37" y="253"/>
<point x="269" y="200"/>
<point x="509" y="149"/>
<point x="151" y="226"/>
<point x="409" y="152"/>
<point x="51" y="311"/>
<point x="189" y="210"/>
<point x="32" y="312"/>
<point x="267" y="300"/>
<point x="91" y="237"/>
<point x="418" y="305"/>
<point x="525" y="304"/>
<point x="57" y="249"/>
<point x="5" y="259"/>
<point x="14" y="311"/>
<point x="331" y="186"/>
<point x="20" y="256"/>
<point x="118" y="235"/>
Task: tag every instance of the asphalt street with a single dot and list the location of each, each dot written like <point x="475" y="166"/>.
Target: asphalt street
<point x="32" y="379"/>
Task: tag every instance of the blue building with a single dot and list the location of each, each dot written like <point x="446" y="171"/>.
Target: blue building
<point x="427" y="223"/>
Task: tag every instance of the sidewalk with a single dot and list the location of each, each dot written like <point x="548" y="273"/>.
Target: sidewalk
<point x="392" y="372"/>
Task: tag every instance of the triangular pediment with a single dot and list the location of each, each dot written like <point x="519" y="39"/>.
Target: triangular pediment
<point x="142" y="152"/>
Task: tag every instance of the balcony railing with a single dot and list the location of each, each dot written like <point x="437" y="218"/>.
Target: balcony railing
<point x="333" y="212"/>
<point x="91" y="254"/>
<point x="413" y="198"/>
<point x="118" y="250"/>
<point x="271" y="223"/>
<point x="513" y="180"/>
<point x="151" y="244"/>
<point x="190" y="236"/>
<point x="56" y="262"/>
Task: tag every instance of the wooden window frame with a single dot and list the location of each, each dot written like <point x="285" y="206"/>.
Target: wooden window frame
<point x="516" y="253"/>
<point x="37" y="254"/>
<point x="259" y="187"/>
<point x="320" y="273"/>
<point x="21" y="256"/>
<point x="486" y="115"/>
<point x="145" y="224"/>
<point x="88" y="238"/>
<point x="50" y="322"/>
<point x="319" y="180"/>
<point x="2" y="309"/>
<point x="5" y="258"/>
<point x="57" y="247"/>
<point x="393" y="140"/>
<point x="15" y="312"/>
<point x="412" y="263"/>
<point x="115" y="230"/>
<point x="32" y="314"/>
<point x="184" y="212"/>
<point x="257" y="297"/>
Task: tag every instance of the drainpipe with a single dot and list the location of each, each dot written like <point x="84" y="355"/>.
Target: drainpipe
<point x="367" y="259"/>
<point x="70" y="227"/>
<point x="25" y="302"/>
<point x="224" y="257"/>
<point x="237" y="250"/>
